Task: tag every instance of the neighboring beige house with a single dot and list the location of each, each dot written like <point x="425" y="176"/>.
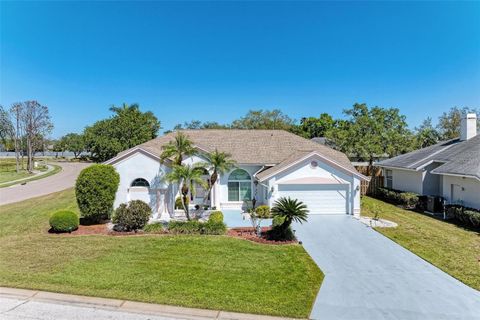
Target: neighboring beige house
<point x="450" y="169"/>
<point x="270" y="164"/>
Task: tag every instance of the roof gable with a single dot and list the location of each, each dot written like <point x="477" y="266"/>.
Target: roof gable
<point x="298" y="157"/>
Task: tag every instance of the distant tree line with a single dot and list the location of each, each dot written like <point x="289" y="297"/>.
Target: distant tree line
<point x="364" y="132"/>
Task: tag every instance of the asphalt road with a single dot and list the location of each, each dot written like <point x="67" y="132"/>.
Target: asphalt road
<point x="63" y="180"/>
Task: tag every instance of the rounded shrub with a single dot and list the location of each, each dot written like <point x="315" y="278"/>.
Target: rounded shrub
<point x="216" y="216"/>
<point x="95" y="191"/>
<point x="263" y="212"/>
<point x="178" y="203"/>
<point x="64" y="221"/>
<point x="133" y="216"/>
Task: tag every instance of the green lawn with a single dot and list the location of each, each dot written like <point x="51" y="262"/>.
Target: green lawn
<point x="8" y="172"/>
<point x="215" y="272"/>
<point x="453" y="249"/>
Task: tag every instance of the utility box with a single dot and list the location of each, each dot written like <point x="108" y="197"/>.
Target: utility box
<point x="434" y="204"/>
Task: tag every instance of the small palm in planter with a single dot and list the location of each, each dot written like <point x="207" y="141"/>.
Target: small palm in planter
<point x="186" y="177"/>
<point x="289" y="210"/>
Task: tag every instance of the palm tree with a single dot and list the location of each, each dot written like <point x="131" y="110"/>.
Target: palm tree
<point x="217" y="163"/>
<point x="186" y="177"/>
<point x="178" y="148"/>
<point x="290" y="210"/>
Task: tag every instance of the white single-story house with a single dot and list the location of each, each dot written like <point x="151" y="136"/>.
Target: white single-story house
<point x="449" y="169"/>
<point x="269" y="164"/>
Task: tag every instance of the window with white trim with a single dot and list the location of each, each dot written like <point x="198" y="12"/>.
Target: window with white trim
<point x="389" y="179"/>
<point x="239" y="186"/>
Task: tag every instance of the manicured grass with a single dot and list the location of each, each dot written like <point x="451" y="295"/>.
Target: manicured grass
<point x="8" y="172"/>
<point x="453" y="249"/>
<point x="6" y="176"/>
<point x="214" y="272"/>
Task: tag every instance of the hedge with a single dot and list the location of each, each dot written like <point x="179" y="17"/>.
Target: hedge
<point x="406" y="199"/>
<point x="468" y="216"/>
<point x="197" y="227"/>
<point x="95" y="190"/>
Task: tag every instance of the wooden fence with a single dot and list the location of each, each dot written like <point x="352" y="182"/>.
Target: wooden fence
<point x="376" y="181"/>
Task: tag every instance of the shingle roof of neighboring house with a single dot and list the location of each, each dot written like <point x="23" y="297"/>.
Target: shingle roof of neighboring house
<point x="459" y="157"/>
<point x="269" y="147"/>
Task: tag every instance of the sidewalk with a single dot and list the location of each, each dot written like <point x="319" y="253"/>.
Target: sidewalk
<point x="32" y="304"/>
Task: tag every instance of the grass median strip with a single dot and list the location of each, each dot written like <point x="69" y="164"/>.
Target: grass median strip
<point x="453" y="249"/>
<point x="211" y="272"/>
<point x="9" y="174"/>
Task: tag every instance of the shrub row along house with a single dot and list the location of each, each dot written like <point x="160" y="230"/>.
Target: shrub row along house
<point x="449" y="169"/>
<point x="270" y="164"/>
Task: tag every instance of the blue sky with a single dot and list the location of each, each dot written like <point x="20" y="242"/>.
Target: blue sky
<point x="216" y="60"/>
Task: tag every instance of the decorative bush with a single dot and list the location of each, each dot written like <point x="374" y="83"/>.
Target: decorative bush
<point x="154" y="228"/>
<point x="95" y="191"/>
<point x="276" y="221"/>
<point x="214" y="228"/>
<point x="178" y="203"/>
<point x="277" y="233"/>
<point x="196" y="227"/>
<point x="216" y="216"/>
<point x="133" y="216"/>
<point x="263" y="212"/>
<point x="64" y="221"/>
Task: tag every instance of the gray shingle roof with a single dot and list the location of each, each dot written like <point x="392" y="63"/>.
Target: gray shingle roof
<point x="250" y="146"/>
<point x="459" y="157"/>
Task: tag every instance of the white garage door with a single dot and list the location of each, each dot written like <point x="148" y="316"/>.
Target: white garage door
<point x="319" y="198"/>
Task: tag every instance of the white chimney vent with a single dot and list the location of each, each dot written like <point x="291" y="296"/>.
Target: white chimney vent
<point x="468" y="126"/>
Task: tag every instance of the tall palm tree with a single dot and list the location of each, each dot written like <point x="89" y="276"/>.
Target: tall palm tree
<point x="177" y="149"/>
<point x="291" y="210"/>
<point x="217" y="163"/>
<point x="186" y="177"/>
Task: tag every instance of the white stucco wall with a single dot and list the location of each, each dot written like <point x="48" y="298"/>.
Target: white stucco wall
<point x="467" y="191"/>
<point x="139" y="166"/>
<point x="405" y="180"/>
<point x="323" y="170"/>
<point x="222" y="188"/>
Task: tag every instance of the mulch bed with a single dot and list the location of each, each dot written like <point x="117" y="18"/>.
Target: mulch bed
<point x="97" y="229"/>
<point x="247" y="233"/>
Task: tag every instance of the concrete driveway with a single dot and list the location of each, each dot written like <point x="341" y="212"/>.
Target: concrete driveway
<point x="60" y="181"/>
<point x="368" y="276"/>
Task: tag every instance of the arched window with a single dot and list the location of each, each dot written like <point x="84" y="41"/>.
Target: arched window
<point x="140" y="182"/>
<point x="239" y="186"/>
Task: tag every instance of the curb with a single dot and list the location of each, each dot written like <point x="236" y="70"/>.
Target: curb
<point x="130" y="306"/>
